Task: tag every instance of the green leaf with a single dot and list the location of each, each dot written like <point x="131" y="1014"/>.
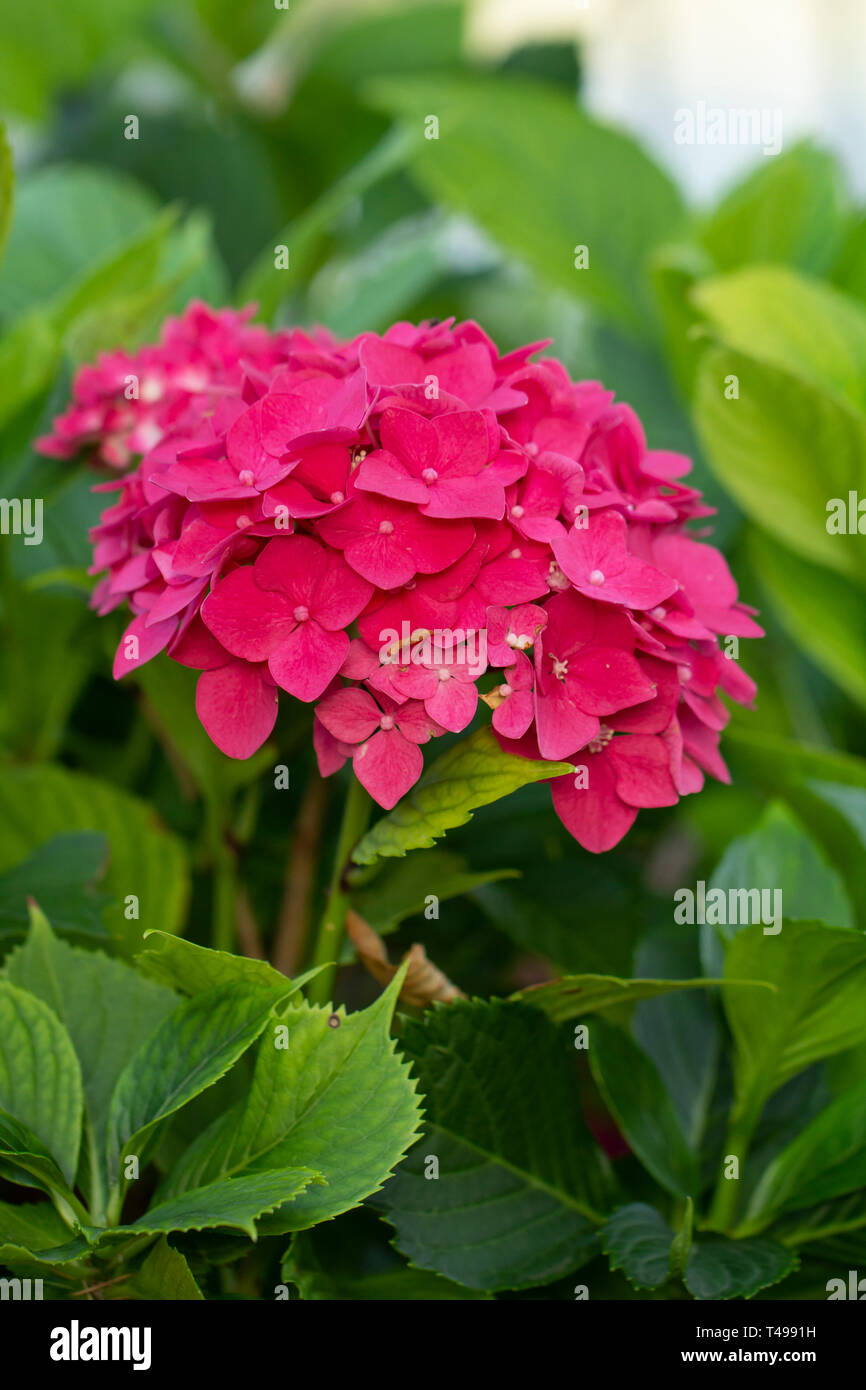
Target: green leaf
<point x="33" y="1225"/>
<point x="819" y="610"/>
<point x="163" y="1275"/>
<point x="721" y="1268"/>
<point x="335" y="1098"/>
<point x="106" y="1008"/>
<point x="541" y="178"/>
<point x="785" y="320"/>
<point x="319" y="1278"/>
<point x="679" y="1032"/>
<point x="827" y="1160"/>
<point x="29" y="354"/>
<point x="818" y="1007"/>
<point x="511" y="1200"/>
<point x="791" y="208"/>
<point x="147" y="862"/>
<point x="575" y="995"/>
<point x="62" y="872"/>
<point x="400" y="890"/>
<point x="42" y="680"/>
<point x="169" y="690"/>
<point x="267" y="285"/>
<point x="7" y="184"/>
<point x="67" y="219"/>
<point x="45" y="1263"/>
<point x="634" y="1094"/>
<point x="764" y="445"/>
<point x="681" y="1246"/>
<point x="232" y="1202"/>
<point x="637" y="1240"/>
<point x="40" y="1079"/>
<point x="783" y="763"/>
<point x="471" y="774"/>
<point x="22" y="1152"/>
<point x="778" y="855"/>
<point x="192" y="969"/>
<point x="190" y="1050"/>
<point x="365" y="291"/>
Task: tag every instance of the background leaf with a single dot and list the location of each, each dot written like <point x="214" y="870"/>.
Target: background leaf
<point x="515" y="1200"/>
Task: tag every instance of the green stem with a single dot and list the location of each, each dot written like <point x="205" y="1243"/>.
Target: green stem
<point x="225" y="881"/>
<point x="744" y="1118"/>
<point x="356" y="813"/>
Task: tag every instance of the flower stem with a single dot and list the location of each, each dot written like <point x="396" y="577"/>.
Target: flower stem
<point x="744" y="1119"/>
<point x="225" y="879"/>
<point x="356" y="813"/>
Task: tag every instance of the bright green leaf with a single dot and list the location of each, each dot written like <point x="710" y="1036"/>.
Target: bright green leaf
<point x="190" y="1050"/>
<point x="40" y="1079"/>
<point x="329" y="1093"/>
<point x="473" y="773"/>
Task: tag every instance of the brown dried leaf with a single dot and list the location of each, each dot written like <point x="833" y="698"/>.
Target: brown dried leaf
<point x="424" y="983"/>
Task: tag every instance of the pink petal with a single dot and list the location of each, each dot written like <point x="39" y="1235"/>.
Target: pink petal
<point x="141" y="643"/>
<point x="593" y="814"/>
<point x="641" y="766"/>
<point x="248" y="621"/>
<point x="350" y="714"/>
<point x="237" y="706"/>
<point x="562" y="728"/>
<point x="453" y="705"/>
<point x="387" y="765"/>
<point x="308" y="659"/>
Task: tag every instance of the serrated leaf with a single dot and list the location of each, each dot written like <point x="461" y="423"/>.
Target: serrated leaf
<point x="163" y="1275"/>
<point x="638" y="1101"/>
<point x="40" y="1079"/>
<point x="473" y="773"/>
<point x="233" y="1202"/>
<point x="827" y="1160"/>
<point x="336" y="1099"/>
<point x="107" y="1009"/>
<point x="40" y="801"/>
<point x="183" y="965"/>
<point x="44" y="1263"/>
<point x="190" y="1050"/>
<point x="720" y="1268"/>
<point x="637" y="1240"/>
<point x="520" y="1182"/>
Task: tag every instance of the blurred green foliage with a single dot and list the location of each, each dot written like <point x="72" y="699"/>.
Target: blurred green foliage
<point x="258" y="127"/>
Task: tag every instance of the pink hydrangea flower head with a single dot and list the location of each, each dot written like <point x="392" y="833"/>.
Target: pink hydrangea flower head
<point x="391" y="527"/>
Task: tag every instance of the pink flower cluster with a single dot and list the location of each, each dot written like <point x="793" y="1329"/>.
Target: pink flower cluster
<point x="391" y="527"/>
